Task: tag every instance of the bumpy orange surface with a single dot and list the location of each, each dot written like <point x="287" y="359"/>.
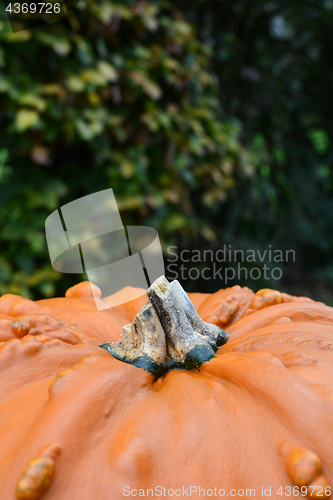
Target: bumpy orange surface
<point x="260" y="414"/>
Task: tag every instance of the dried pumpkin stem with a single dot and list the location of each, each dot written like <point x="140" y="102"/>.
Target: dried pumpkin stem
<point x="167" y="333"/>
<point x="142" y="343"/>
<point x="216" y="334"/>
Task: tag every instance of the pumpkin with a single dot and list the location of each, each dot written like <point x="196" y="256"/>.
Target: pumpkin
<point x="254" y="418"/>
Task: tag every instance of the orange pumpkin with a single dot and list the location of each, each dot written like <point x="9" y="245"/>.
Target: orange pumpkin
<point x="76" y="423"/>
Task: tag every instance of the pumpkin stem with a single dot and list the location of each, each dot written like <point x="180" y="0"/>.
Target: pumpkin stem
<point x="167" y="333"/>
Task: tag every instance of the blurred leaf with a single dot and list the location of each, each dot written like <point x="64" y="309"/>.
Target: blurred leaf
<point x="148" y="86"/>
<point x="33" y="101"/>
<point x="319" y="140"/>
<point x="25" y="119"/>
<point x="59" y="43"/>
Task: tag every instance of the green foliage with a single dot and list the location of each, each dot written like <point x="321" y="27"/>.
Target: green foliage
<point x="117" y="95"/>
<point x="273" y="60"/>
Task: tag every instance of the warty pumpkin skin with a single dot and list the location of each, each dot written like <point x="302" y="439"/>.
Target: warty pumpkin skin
<point x="73" y="418"/>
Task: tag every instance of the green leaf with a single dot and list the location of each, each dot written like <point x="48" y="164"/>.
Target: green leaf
<point x="26" y="119"/>
<point x="59" y="43"/>
<point x="76" y="83"/>
<point x="34" y="101"/>
<point x="147" y="85"/>
<point x="319" y="139"/>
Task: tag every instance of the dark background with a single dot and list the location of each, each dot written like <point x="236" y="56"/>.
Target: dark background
<point x="211" y="120"/>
